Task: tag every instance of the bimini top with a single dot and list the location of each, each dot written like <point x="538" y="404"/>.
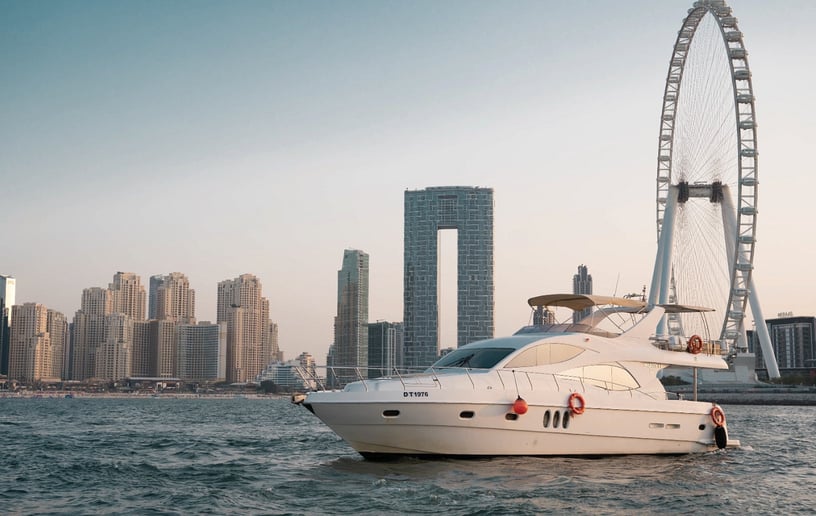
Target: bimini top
<point x="581" y="301"/>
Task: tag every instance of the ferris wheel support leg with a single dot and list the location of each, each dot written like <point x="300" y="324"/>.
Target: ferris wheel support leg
<point x="659" y="292"/>
<point x="730" y="227"/>
<point x="762" y="333"/>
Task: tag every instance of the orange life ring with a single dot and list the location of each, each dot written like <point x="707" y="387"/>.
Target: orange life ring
<point x="695" y="344"/>
<point x="576" y="404"/>
<point x="717" y="415"/>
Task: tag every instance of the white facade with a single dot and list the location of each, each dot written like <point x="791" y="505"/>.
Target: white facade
<point x="7" y="289"/>
<point x="292" y="375"/>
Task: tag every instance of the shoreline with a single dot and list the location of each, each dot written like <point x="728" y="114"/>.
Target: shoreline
<point x="751" y="395"/>
<point x="130" y="395"/>
<point x="726" y="396"/>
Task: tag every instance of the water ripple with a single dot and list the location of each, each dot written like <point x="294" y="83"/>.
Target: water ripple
<point x="174" y="456"/>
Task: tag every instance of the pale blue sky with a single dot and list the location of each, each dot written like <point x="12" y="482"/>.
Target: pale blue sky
<point x="219" y="138"/>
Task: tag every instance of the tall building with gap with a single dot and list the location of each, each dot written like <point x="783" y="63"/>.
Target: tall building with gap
<point x="469" y="210"/>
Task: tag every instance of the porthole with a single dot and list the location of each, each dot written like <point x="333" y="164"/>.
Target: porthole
<point x="556" y="418"/>
<point x="511" y="416"/>
<point x="390" y="413"/>
<point x="547" y="419"/>
<point x="466" y="414"/>
<point x="701" y="427"/>
<point x="566" y="420"/>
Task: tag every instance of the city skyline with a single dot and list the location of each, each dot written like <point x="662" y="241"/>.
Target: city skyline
<point x="257" y="137"/>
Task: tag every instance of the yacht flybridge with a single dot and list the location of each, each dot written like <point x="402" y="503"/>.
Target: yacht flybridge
<point x="550" y="389"/>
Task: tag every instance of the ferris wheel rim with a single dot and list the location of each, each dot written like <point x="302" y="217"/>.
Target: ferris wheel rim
<point x="741" y="263"/>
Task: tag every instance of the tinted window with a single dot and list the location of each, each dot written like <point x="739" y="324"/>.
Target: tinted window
<point x="476" y="358"/>
<point x="607" y="376"/>
<point x="545" y="354"/>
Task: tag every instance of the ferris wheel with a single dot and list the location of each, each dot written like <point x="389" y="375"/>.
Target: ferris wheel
<point x="707" y="183"/>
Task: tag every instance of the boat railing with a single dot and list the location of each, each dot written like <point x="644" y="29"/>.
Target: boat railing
<point x="337" y="377"/>
<point x="679" y="344"/>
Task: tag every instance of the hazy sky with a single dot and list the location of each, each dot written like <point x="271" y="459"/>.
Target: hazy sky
<point x="265" y="137"/>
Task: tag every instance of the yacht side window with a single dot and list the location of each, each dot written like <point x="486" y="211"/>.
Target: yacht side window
<point x="545" y="354"/>
<point x="611" y="377"/>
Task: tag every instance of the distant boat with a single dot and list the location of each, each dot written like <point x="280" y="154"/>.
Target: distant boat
<point x="69" y="396"/>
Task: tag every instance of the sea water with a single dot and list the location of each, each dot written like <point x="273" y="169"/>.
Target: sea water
<point x="267" y="456"/>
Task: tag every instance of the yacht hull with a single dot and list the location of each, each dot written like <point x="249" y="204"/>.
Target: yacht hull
<point x="494" y="429"/>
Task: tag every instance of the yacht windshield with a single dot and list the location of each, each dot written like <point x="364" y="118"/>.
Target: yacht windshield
<point x="475" y="358"/>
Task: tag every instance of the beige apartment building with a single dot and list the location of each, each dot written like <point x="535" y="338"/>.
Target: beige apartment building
<point x="37" y="339"/>
<point x="89" y="331"/>
<point x="113" y="355"/>
<point x="174" y="299"/>
<point x="128" y="295"/>
<point x="246" y="314"/>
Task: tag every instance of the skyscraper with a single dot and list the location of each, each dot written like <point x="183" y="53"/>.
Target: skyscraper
<point x="89" y="331"/>
<point x="272" y="352"/>
<point x="384" y="348"/>
<point x="7" y="289"/>
<point x="33" y="355"/>
<point x="163" y="348"/>
<point x="57" y="327"/>
<point x="470" y="211"/>
<point x="202" y="350"/>
<point x="581" y="284"/>
<point x="152" y="292"/>
<point x="351" y="323"/>
<point x="246" y="314"/>
<point x="142" y="363"/>
<point x="98" y="337"/>
<point x="128" y="295"/>
<point x="112" y="359"/>
<point x="171" y="298"/>
<point x="793" y="340"/>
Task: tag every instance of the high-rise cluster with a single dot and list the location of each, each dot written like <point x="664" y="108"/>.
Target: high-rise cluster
<point x="112" y="339"/>
<point x="114" y="335"/>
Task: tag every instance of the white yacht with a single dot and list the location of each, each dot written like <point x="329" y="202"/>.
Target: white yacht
<point x="550" y="389"/>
